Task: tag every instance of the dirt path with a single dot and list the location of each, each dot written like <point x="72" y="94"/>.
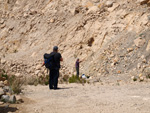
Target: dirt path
<point x="75" y="98"/>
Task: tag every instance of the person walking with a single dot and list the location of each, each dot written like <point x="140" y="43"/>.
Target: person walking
<point x="54" y="72"/>
<point x="77" y="66"/>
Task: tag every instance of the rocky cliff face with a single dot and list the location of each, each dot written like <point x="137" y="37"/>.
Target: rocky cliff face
<point x="111" y="36"/>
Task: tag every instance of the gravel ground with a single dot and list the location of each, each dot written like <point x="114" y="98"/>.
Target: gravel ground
<point x="77" y="98"/>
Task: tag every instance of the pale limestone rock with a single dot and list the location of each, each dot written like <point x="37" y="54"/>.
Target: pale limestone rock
<point x="115" y="5"/>
<point x="146" y="72"/>
<point x="96" y="1"/>
<point x="6" y="82"/>
<point x="112" y="64"/>
<point x="3" y="61"/>
<point x="140" y="75"/>
<point x="148" y="46"/>
<point x="130" y="49"/>
<point x="112" y="55"/>
<point x="141" y="79"/>
<point x="39" y="75"/>
<point x="133" y="78"/>
<point x="25" y="15"/>
<point x="1" y="84"/>
<point x="37" y="72"/>
<point x="6" y="89"/>
<point x="1" y="103"/>
<point x="73" y="11"/>
<point x="2" y="21"/>
<point x="116" y="60"/>
<point x="76" y="10"/>
<point x="109" y="3"/>
<point x="38" y="67"/>
<point x="18" y="97"/>
<point x="1" y="92"/>
<point x="93" y="9"/>
<point x="33" y="54"/>
<point x="2" y="26"/>
<point x="139" y="65"/>
<point x="144" y="60"/>
<point x="144" y="20"/>
<point x="17" y="74"/>
<point x="142" y="57"/>
<point x="139" y="42"/>
<point x="52" y="20"/>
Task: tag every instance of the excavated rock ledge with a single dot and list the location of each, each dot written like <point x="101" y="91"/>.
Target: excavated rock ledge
<point x="111" y="36"/>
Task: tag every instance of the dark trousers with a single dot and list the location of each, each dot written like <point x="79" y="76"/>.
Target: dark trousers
<point x="77" y="71"/>
<point x="53" y="78"/>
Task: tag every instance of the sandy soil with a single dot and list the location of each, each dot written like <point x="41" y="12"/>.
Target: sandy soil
<point x="76" y="98"/>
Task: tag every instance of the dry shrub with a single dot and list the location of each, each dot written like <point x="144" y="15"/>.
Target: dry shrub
<point x="34" y="80"/>
<point x="43" y="80"/>
<point x="65" y="78"/>
<point x="16" y="83"/>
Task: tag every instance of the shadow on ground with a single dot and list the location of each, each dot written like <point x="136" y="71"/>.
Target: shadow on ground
<point x="6" y="109"/>
<point x="62" y="88"/>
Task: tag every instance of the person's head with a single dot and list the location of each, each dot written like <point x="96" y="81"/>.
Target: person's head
<point x="55" y="49"/>
<point x="77" y="59"/>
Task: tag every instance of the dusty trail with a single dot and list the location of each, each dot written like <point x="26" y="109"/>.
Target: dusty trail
<point x="75" y="98"/>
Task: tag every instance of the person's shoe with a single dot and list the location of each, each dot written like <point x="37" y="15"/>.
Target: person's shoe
<point x="51" y="88"/>
<point x="56" y="88"/>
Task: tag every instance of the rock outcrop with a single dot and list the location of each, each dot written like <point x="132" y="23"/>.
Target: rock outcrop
<point x="111" y="36"/>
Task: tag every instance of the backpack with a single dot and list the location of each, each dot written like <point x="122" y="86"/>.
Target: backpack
<point x="49" y="61"/>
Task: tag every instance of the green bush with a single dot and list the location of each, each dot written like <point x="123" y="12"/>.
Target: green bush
<point x="3" y="74"/>
<point x="75" y="79"/>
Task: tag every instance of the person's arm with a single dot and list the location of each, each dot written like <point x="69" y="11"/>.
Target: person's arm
<point x="80" y="61"/>
<point x="61" y="59"/>
<point x="43" y="64"/>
